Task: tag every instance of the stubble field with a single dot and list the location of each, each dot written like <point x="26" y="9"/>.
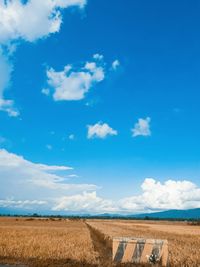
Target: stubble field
<point x="45" y="242"/>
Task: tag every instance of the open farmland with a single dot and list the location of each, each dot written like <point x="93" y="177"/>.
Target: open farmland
<point x="41" y="242"/>
<point x="47" y="242"/>
<point x="184" y="239"/>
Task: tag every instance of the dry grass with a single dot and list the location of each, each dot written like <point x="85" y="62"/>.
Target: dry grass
<point x="184" y="240"/>
<point x="41" y="242"/>
<point x="23" y="241"/>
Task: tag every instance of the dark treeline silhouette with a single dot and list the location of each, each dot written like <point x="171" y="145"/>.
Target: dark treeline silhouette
<point x="190" y="221"/>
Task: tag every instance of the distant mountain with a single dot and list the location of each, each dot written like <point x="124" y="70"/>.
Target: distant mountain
<point x="191" y="214"/>
<point x="8" y="211"/>
<point x="171" y="214"/>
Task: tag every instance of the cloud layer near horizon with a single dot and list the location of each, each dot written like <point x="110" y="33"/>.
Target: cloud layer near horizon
<point x="23" y="180"/>
<point x="27" y="185"/>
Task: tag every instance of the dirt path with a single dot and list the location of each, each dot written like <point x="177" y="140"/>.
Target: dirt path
<point x="101" y="245"/>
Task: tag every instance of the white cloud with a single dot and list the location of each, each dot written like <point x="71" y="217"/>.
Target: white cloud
<point x="169" y="195"/>
<point x="8" y="107"/>
<point x="98" y="56"/>
<point x="28" y="21"/>
<point x="22" y="180"/>
<point x="155" y="196"/>
<point x="44" y="167"/>
<point x="5" y="73"/>
<point x="115" y="64"/>
<point x="73" y="83"/>
<point x="27" y="185"/>
<point x="33" y="20"/>
<point x="142" y="128"/>
<point x="100" y="130"/>
<point x="85" y="202"/>
<point x="27" y="204"/>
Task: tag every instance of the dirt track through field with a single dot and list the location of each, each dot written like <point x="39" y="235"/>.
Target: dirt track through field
<point x="102" y="246"/>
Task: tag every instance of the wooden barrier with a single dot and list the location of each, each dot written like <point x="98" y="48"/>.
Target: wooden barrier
<point x="135" y="250"/>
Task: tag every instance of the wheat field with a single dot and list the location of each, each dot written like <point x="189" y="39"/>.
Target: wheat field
<point x="55" y="242"/>
<point x="184" y="239"/>
<point x="32" y="241"/>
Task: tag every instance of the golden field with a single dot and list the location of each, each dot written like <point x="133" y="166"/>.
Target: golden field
<point x="47" y="242"/>
<point x="184" y="239"/>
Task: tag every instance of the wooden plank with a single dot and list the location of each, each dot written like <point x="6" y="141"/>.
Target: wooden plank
<point x="120" y="251"/>
<point x="165" y="254"/>
<point x="138" y="251"/>
<point x="115" y="247"/>
<point x="147" y="251"/>
<point x="129" y="251"/>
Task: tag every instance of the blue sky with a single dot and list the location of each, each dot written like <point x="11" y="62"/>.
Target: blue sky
<point x="109" y="88"/>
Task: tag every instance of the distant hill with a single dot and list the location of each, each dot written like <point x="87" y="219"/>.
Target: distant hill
<point x="172" y="214"/>
<point x="191" y="214"/>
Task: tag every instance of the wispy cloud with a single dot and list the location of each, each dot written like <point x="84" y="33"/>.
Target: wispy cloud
<point x="27" y="185"/>
<point x="22" y="204"/>
<point x="24" y="180"/>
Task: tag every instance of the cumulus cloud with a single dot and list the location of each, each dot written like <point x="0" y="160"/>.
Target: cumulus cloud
<point x="100" y="130"/>
<point x="142" y="128"/>
<point x="74" y="83"/>
<point x="22" y="180"/>
<point x="32" y="20"/>
<point x="28" y="21"/>
<point x="155" y="196"/>
<point x="163" y="196"/>
<point x="25" y="184"/>
<point x="85" y="202"/>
